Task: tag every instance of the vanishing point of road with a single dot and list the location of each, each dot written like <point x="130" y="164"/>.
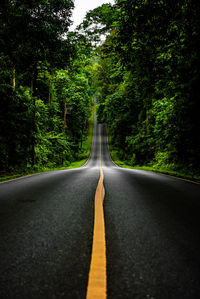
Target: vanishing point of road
<point x="99" y="231"/>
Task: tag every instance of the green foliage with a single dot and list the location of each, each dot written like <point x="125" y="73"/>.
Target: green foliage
<point x="15" y="126"/>
<point x="146" y="77"/>
<point x="98" y="22"/>
<point x="44" y="86"/>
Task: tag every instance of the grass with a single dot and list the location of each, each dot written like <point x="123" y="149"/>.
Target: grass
<point x="185" y="174"/>
<point x="86" y="148"/>
<point x="87" y="144"/>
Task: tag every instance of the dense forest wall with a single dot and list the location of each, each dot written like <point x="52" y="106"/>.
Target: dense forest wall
<point x="44" y="86"/>
<point x="147" y="78"/>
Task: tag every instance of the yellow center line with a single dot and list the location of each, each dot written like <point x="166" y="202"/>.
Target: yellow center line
<point x="97" y="283"/>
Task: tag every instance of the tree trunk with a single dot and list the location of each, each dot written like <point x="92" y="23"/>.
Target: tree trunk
<point x="147" y="113"/>
<point x="33" y="91"/>
<point x="49" y="96"/>
<point x="147" y="122"/>
<point x="13" y="76"/>
<point x="32" y="87"/>
<point x="81" y="138"/>
<point x="64" y="128"/>
<point x="64" y="131"/>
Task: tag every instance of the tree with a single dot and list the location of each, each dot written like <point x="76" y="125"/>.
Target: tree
<point x="154" y="46"/>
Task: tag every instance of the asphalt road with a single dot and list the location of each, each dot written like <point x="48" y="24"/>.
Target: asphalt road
<point x="152" y="232"/>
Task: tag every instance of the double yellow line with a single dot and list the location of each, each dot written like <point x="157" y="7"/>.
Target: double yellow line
<point x="97" y="283"/>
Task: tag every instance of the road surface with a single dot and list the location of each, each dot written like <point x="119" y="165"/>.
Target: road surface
<point x="152" y="234"/>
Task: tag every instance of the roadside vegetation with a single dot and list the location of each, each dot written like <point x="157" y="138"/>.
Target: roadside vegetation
<point x="145" y="77"/>
<point x="45" y="88"/>
<point x="183" y="173"/>
<point x="81" y="159"/>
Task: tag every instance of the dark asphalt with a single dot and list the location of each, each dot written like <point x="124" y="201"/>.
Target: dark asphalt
<point x="152" y="233"/>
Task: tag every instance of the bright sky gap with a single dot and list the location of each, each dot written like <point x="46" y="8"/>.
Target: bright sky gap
<point x="82" y="7"/>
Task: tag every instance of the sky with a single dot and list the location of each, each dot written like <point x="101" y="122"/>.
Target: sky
<point x="82" y="7"/>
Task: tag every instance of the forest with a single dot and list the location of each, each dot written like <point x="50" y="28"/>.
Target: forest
<point x="139" y="58"/>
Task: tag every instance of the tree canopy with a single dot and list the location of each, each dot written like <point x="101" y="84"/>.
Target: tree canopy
<point x="146" y="76"/>
<point x="144" y="73"/>
<point x="44" y="86"/>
